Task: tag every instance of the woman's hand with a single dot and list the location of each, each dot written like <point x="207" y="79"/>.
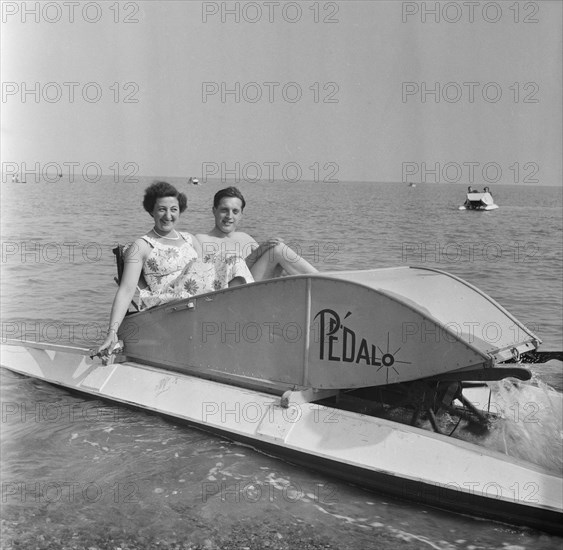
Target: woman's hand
<point x="110" y="341"/>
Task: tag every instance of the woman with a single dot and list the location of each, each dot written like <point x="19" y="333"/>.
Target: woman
<point x="170" y="261"/>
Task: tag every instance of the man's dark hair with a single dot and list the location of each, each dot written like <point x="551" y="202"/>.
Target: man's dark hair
<point x="228" y="192"/>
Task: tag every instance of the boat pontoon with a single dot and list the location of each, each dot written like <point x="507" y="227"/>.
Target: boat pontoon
<point x="351" y="373"/>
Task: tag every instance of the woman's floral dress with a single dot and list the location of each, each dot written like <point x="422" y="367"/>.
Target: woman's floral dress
<point x="173" y="272"/>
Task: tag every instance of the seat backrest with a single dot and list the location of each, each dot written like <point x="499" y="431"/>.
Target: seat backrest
<point x="119" y="252"/>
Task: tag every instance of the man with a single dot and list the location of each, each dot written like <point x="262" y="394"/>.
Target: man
<point x="265" y="260"/>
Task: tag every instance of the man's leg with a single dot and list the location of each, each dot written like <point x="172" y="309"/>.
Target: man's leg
<point x="277" y="258"/>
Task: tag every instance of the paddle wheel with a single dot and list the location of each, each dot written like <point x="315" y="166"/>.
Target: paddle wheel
<point x="438" y="402"/>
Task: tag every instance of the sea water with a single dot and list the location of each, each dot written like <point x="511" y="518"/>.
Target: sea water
<point x="82" y="473"/>
<point x="527" y="422"/>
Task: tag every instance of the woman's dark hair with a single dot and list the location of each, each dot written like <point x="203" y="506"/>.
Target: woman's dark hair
<point x="161" y="189"/>
<point x="232" y="192"/>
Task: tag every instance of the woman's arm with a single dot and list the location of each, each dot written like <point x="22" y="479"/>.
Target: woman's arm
<point x="196" y="244"/>
<point x="135" y="258"/>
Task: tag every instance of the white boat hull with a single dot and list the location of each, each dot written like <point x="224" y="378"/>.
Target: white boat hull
<point x="480" y="208"/>
<point x="398" y="459"/>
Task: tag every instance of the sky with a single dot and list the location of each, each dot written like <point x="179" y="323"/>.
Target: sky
<point x="334" y="91"/>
